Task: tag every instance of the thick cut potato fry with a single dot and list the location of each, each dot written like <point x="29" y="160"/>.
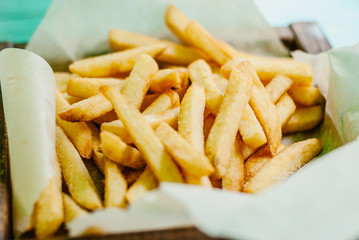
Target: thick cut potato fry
<point x="225" y="127"/>
<point x="143" y="137"/>
<point x="283" y="164"/>
<point x="114" y="63"/>
<point x="304" y="119"/>
<point x="267" y="68"/>
<point x="148" y="100"/>
<point x="49" y="213"/>
<point x="78" y="180"/>
<point x="251" y="130"/>
<point x="231" y="51"/>
<point x="258" y="160"/>
<point x="139" y="82"/>
<point x="86" y="110"/>
<point x="115" y="186"/>
<point x="201" y="39"/>
<point x="116" y="127"/>
<point x="79" y="133"/>
<point x="183" y="71"/>
<point x="97" y="155"/>
<point x="263" y="108"/>
<point x="165" y="79"/>
<point x="194" y="162"/>
<point x="88" y="87"/>
<point x="62" y="79"/>
<point x="72" y="210"/>
<point x="306" y="96"/>
<point x="278" y="86"/>
<point x="146" y="182"/>
<point x="201" y="73"/>
<point x="177" y="22"/>
<point x="174" y="53"/>
<point x="221" y="82"/>
<point x="71" y="99"/>
<point x="247" y="150"/>
<point x="233" y="179"/>
<point x="285" y="108"/>
<point x="118" y="151"/>
<point x="108" y="117"/>
<point x="165" y="101"/>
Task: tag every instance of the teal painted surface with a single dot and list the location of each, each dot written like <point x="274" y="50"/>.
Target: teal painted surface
<point x="20" y="18"/>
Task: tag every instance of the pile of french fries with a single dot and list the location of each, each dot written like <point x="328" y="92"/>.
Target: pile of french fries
<point x="200" y="113"/>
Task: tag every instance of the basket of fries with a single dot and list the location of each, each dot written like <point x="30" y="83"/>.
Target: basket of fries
<point x="156" y="138"/>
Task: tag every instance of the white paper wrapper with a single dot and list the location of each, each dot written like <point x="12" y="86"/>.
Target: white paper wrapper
<point x="318" y="202"/>
<point x="28" y="88"/>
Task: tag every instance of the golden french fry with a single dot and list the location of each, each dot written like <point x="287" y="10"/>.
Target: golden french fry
<point x="165" y="101"/>
<point x="233" y="179"/>
<point x="88" y="87"/>
<point x="177" y="22"/>
<point x="285" y="108"/>
<point x="306" y="96"/>
<point x="267" y="68"/>
<point x="78" y="180"/>
<point x="97" y="155"/>
<point x="120" y="40"/>
<point x="139" y="82"/>
<point x="190" y="159"/>
<point x="71" y="99"/>
<point x="221" y="82"/>
<point x="115" y="186"/>
<point x="143" y="137"/>
<point x="72" y="210"/>
<point x="251" y="130"/>
<point x="116" y="127"/>
<point x="225" y="127"/>
<point x="263" y="108"/>
<point x="62" y="79"/>
<point x="49" y="213"/>
<point x="203" y="181"/>
<point x="207" y="125"/>
<point x="201" y="39"/>
<point x="118" y="151"/>
<point x="283" y="164"/>
<point x="183" y="71"/>
<point x="258" y="160"/>
<point x="107" y="117"/>
<point x="231" y="51"/>
<point x="79" y="133"/>
<point x="114" y="63"/>
<point x="201" y="73"/>
<point x="146" y="182"/>
<point x="278" y="86"/>
<point x="304" y="119"/>
<point x="148" y="100"/>
<point x="86" y="110"/>
<point x="165" y="79"/>
<point x="247" y="150"/>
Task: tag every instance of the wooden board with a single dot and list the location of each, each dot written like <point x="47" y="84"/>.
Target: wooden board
<point x="305" y="36"/>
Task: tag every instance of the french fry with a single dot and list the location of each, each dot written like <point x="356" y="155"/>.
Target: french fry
<point x="72" y="210"/>
<point x="118" y="151"/>
<point x="114" y="63"/>
<point x="221" y="82"/>
<point x="115" y="186"/>
<point x="86" y="110"/>
<point x="200" y="38"/>
<point x="267" y="68"/>
<point x="190" y="159"/>
<point x="225" y="127"/>
<point x="231" y="51"/>
<point x="177" y="22"/>
<point x="173" y="54"/>
<point x="305" y="96"/>
<point x="285" y="108"/>
<point x="283" y="164"/>
<point x="247" y="150"/>
<point x="146" y="182"/>
<point x="165" y="101"/>
<point x="258" y="160"/>
<point x="88" y="87"/>
<point x="71" y="99"/>
<point x="49" y="213"/>
<point x="263" y="108"/>
<point x="97" y="155"/>
<point x="107" y="117"/>
<point x="165" y="79"/>
<point x="201" y="73"/>
<point x="143" y="137"/>
<point x="278" y="86"/>
<point x="131" y="175"/>
<point x="116" y="127"/>
<point x="78" y="180"/>
<point x="138" y="82"/>
<point x="233" y="179"/>
<point x="79" y="133"/>
<point x="61" y="79"/>
<point x="304" y="119"/>
<point x="183" y="71"/>
<point x="148" y="100"/>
